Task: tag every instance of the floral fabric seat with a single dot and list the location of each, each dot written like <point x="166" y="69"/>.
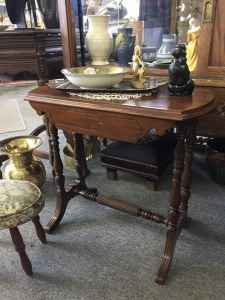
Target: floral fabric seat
<point x="20" y="202"/>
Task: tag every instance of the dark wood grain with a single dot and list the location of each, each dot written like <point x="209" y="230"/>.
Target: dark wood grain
<point x="67" y="29"/>
<point x="122" y="206"/>
<point x="205" y="47"/>
<point x="160" y="106"/>
<point x="211" y="56"/>
<point x="217" y="56"/>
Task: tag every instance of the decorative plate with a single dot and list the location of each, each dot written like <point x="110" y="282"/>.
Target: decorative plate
<point x="123" y="86"/>
<point x="3" y="27"/>
<point x="162" y="64"/>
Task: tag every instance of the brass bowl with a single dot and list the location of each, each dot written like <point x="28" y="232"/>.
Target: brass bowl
<point x="69" y="156"/>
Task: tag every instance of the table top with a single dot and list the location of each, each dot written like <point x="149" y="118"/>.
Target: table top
<point x="160" y="105"/>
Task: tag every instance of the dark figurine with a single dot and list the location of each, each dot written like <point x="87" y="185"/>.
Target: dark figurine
<point x="180" y="83"/>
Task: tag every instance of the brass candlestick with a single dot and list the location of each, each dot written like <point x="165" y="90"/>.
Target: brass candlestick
<point x="22" y="165"/>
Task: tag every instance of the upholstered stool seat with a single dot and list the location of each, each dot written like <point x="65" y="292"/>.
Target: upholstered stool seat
<point x="20" y="202"/>
<point x="148" y="158"/>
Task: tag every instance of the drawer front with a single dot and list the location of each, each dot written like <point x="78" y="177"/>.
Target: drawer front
<point x="85" y="123"/>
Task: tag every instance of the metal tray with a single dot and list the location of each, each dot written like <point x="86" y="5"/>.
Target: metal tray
<point x="122" y="87"/>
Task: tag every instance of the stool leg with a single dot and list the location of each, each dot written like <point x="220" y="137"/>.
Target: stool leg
<point x="20" y="248"/>
<point x="39" y="229"/>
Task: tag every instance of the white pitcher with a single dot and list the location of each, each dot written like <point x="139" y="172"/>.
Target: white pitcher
<point x="99" y="40"/>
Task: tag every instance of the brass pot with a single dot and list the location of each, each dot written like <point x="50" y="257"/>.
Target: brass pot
<point x="22" y="165"/>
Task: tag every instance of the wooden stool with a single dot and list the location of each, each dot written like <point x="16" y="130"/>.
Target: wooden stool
<point x="20" y="202"/>
<point x="149" y="158"/>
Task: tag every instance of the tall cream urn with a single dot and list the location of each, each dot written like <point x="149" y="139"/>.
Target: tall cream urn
<point x="99" y="40"/>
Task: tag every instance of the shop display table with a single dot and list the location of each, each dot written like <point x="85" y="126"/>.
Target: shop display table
<point x="128" y="121"/>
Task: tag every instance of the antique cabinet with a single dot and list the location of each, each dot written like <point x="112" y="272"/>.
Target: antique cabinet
<point x="34" y="50"/>
<point x="39" y="52"/>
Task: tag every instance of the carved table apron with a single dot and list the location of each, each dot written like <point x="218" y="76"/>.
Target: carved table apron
<point x="128" y="121"/>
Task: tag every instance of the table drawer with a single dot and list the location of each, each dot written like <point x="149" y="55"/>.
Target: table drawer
<point x="96" y="123"/>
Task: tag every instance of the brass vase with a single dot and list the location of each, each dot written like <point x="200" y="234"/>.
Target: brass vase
<point x="22" y="165"/>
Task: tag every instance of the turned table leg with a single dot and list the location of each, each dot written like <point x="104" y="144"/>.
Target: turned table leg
<point x="186" y="177"/>
<point x="20" y="248"/>
<point x="77" y="137"/>
<point x="174" y="201"/>
<point x="78" y="155"/>
<point x="86" y="172"/>
<point x="70" y="141"/>
<point x="62" y="196"/>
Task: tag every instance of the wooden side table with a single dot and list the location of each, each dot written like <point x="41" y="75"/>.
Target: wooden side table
<point x="127" y="121"/>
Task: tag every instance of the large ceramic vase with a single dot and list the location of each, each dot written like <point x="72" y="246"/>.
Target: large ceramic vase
<point x="99" y="40"/>
<point x="125" y="45"/>
<point x="168" y="43"/>
<point x="22" y="165"/>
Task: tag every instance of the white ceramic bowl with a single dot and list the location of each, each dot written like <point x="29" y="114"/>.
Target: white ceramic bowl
<point x="106" y="76"/>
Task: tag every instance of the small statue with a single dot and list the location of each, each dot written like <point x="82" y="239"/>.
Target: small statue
<point x="192" y="47"/>
<point x="142" y="71"/>
<point x="138" y="80"/>
<point x="180" y="83"/>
